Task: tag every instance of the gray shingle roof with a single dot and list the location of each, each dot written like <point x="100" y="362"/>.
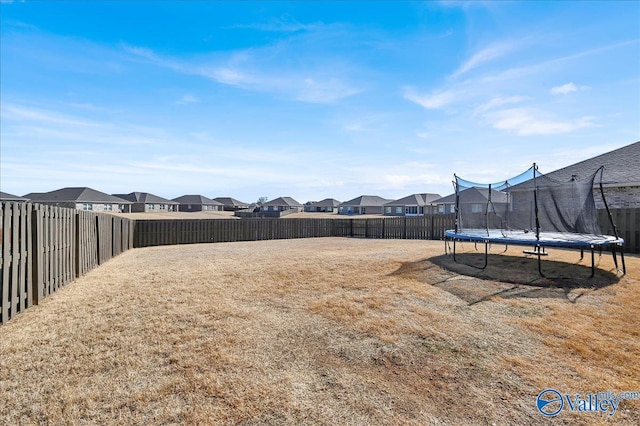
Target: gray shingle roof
<point x="327" y="202"/>
<point x="474" y="195"/>
<point x="621" y="166"/>
<point x="144" y="197"/>
<point x="415" y="200"/>
<point x="228" y="201"/>
<point x="197" y="199"/>
<point x="366" y="201"/>
<point x="5" y="196"/>
<point x="77" y="195"/>
<point x="283" y="201"/>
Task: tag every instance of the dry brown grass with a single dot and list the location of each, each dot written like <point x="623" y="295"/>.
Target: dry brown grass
<point x="321" y="331"/>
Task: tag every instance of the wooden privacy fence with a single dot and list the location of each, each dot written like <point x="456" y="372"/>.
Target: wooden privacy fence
<point x="166" y="232"/>
<point x="627" y="222"/>
<point x="45" y="247"/>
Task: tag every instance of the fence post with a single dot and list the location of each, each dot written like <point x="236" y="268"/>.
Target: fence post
<point x="432" y="230"/>
<point x="78" y="242"/>
<point x="404" y="231"/>
<point x="37" y="248"/>
<point x="98" y="251"/>
<point x="4" y="283"/>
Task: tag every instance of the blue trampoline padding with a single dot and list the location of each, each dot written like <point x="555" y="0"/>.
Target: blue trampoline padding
<point x="547" y="239"/>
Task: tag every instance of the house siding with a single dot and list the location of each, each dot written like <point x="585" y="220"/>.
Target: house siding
<point x="421" y="210"/>
<point x="361" y="210"/>
<point x="619" y="197"/>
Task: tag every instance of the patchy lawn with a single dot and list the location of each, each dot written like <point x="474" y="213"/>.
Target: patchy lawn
<point x="323" y="331"/>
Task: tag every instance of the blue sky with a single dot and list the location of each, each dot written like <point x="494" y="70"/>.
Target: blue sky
<point x="309" y="99"/>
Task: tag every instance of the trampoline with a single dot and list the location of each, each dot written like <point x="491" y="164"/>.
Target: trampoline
<point x="534" y="210"/>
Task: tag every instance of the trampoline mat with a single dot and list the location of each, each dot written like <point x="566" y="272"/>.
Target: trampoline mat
<point x="520" y="237"/>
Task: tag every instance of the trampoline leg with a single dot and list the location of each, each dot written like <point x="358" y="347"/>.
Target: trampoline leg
<point x="593" y="263"/>
<point x="615" y="259"/>
<point x="581" y="254"/>
<point x="486" y="255"/>
<point x="540" y="263"/>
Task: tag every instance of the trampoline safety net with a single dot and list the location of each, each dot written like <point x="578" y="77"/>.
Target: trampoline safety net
<point x="530" y="203"/>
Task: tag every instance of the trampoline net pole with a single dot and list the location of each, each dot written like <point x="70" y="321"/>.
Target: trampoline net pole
<point x="535" y="201"/>
<point x="606" y="206"/>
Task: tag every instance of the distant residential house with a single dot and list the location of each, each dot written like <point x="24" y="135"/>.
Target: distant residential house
<point x="231" y="204"/>
<point x="364" y="204"/>
<point x="197" y="203"/>
<point x="5" y="196"/>
<point x="82" y="198"/>
<point x="411" y="205"/>
<point x="328" y="205"/>
<point x="144" y="202"/>
<point x="282" y="204"/>
<point x="475" y="201"/>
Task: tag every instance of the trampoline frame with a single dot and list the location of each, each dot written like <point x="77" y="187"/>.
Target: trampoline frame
<point x="538" y="239"/>
<point x="611" y="242"/>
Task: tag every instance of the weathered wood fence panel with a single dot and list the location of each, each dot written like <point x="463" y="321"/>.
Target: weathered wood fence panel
<point x="87" y="240"/>
<point x="54" y="248"/>
<point x="627" y="223"/>
<point x="168" y="232"/>
<point x="16" y="278"/>
<point x="45" y="247"/>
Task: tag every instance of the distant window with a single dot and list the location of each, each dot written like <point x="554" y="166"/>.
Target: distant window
<point x="477" y="208"/>
<point x="108" y="207"/>
<point x="411" y="210"/>
<point x="452" y="208"/>
<point x="399" y="210"/>
<point x="87" y="207"/>
<point x="441" y="208"/>
<point x="388" y="209"/>
<point x="189" y="206"/>
<point x="363" y="210"/>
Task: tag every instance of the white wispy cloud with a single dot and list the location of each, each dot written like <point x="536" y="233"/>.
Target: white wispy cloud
<point x="498" y="102"/>
<point x="433" y="100"/>
<point x="21" y="113"/>
<point x="259" y="70"/>
<point x="188" y="99"/>
<point x="567" y="88"/>
<point x="284" y="23"/>
<point x="541" y="67"/>
<point x="485" y="55"/>
<point x="564" y="89"/>
<point x="529" y="121"/>
<point x="51" y="127"/>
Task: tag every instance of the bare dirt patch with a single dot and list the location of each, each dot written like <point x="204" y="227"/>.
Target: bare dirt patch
<point x="322" y="331"/>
